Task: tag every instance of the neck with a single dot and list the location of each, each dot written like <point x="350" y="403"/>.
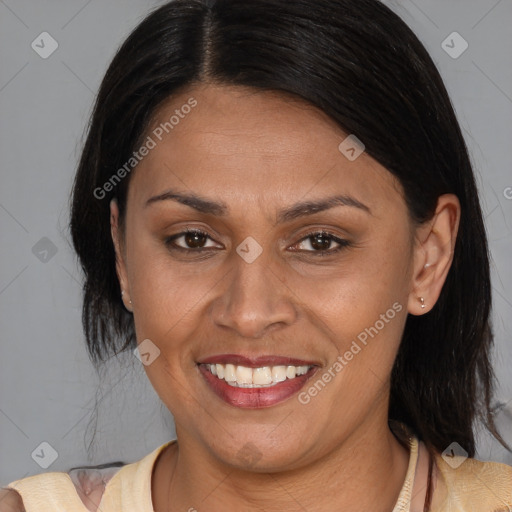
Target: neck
<point x="365" y="472"/>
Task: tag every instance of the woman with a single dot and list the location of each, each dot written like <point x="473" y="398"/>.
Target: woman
<point x="275" y="205"/>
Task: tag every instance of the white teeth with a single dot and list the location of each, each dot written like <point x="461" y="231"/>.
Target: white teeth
<point x="265" y="376"/>
<point x="301" y="370"/>
<point x="243" y="375"/>
<point x="262" y="375"/>
<point x="278" y="373"/>
<point x="290" y="372"/>
<point x="230" y="373"/>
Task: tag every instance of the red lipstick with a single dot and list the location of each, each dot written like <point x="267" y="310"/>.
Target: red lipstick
<point x="255" y="397"/>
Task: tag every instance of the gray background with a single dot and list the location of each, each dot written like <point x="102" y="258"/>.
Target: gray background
<point x="48" y="387"/>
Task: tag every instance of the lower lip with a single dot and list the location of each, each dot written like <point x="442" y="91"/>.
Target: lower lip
<point x="255" y="398"/>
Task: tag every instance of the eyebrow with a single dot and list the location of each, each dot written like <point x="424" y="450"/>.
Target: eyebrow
<point x="295" y="211"/>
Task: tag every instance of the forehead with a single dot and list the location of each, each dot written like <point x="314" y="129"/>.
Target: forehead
<point x="238" y="143"/>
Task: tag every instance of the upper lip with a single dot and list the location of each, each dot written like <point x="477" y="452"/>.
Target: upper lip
<point x="256" y="361"/>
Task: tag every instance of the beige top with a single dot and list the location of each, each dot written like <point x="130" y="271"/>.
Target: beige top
<point x="472" y="486"/>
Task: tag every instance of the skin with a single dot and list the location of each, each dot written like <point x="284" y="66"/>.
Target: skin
<point x="260" y="152"/>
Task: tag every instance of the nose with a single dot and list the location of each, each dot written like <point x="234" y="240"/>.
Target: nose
<point x="254" y="299"/>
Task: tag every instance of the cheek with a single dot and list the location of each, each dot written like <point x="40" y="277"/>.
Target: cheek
<point x="167" y="301"/>
<point x="368" y="280"/>
<point x="164" y="291"/>
<point x="169" y="306"/>
<point x="361" y="308"/>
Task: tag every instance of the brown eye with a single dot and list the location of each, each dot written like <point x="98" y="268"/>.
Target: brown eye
<point x="190" y="240"/>
<point x="321" y="243"/>
<point x="195" y="239"/>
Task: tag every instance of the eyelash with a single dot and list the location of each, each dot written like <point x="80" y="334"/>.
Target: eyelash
<point x="342" y="243"/>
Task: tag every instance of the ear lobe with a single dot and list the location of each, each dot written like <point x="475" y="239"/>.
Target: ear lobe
<point x="118" y="247"/>
<point x="433" y="254"/>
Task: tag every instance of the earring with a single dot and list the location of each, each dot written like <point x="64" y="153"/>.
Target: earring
<point x="422" y="302"/>
<point x="122" y="295"/>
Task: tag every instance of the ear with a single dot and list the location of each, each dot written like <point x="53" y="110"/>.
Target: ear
<point x="433" y="254"/>
<point x="120" y="263"/>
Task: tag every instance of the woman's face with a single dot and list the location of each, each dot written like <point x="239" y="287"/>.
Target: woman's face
<point x="260" y="286"/>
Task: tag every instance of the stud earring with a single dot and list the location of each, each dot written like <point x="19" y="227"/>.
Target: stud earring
<point x="422" y="302"/>
<point x="122" y="295"/>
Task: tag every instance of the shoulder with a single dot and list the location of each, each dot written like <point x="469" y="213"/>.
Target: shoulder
<point x="81" y="486"/>
<point x="10" y="501"/>
<point x="476" y="483"/>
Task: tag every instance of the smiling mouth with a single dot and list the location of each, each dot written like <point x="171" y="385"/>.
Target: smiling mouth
<point x="254" y="383"/>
